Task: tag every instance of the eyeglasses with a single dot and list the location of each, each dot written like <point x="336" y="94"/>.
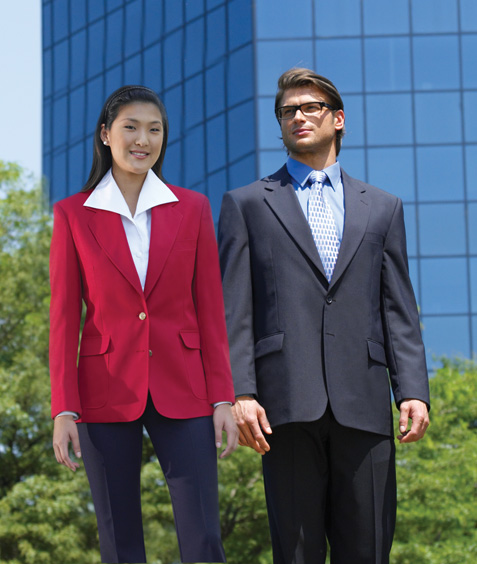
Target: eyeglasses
<point x="308" y="109"/>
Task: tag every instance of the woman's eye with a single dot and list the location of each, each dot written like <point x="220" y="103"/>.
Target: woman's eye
<point x="129" y="126"/>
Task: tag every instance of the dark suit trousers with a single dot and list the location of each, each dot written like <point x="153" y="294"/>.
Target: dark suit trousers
<point x="323" y="480"/>
<point x="188" y="457"/>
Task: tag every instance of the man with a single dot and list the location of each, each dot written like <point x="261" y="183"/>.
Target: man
<point x="321" y="315"/>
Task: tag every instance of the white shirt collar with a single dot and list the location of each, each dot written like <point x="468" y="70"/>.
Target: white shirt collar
<point x="107" y="195"/>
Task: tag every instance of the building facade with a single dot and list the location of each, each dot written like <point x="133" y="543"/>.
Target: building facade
<point x="407" y="71"/>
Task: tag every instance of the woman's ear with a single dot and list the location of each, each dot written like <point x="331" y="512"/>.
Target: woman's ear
<point x="104" y="135"/>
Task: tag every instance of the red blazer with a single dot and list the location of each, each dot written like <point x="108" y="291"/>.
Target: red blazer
<point x="169" y="339"/>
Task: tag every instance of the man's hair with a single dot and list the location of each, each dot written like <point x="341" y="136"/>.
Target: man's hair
<point x="297" y="77"/>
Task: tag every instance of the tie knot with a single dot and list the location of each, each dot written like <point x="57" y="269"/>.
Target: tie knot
<point x="317" y="176"/>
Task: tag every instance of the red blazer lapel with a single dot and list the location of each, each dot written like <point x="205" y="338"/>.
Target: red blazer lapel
<point x="108" y="230"/>
<point x="165" y="224"/>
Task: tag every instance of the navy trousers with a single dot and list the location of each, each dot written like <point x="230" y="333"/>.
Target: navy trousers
<point x="325" y="481"/>
<point x="188" y="457"/>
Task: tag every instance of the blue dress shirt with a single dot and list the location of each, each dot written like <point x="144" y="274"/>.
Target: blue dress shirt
<point x="332" y="189"/>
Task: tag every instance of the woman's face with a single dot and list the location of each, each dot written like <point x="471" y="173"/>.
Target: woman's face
<point x="135" y="138"/>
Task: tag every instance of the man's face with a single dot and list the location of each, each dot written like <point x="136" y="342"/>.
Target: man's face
<point x="310" y="134"/>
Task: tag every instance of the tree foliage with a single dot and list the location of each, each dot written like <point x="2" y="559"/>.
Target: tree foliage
<point x="46" y="513"/>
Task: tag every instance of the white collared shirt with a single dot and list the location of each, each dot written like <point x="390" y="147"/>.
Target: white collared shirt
<point x="107" y="196"/>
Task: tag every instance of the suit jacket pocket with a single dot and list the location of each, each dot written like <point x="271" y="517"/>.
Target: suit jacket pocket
<point x="93" y="371"/>
<point x="193" y="363"/>
<point x="376" y="352"/>
<point x="269" y="344"/>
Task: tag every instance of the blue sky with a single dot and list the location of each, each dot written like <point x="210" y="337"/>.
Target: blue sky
<point x="20" y="80"/>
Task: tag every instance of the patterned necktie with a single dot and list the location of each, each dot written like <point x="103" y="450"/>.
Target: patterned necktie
<point x="322" y="224"/>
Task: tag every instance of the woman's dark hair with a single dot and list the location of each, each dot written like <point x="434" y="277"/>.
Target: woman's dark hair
<point x="102" y="159"/>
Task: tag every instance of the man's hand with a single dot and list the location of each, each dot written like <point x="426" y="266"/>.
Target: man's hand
<point x="65" y="431"/>
<point x="251" y="420"/>
<point x="417" y="411"/>
<point x="224" y="421"/>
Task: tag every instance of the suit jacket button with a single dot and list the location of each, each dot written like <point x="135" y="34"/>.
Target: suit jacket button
<point x="329" y="300"/>
<point x="142" y="316"/>
<point x="150" y="353"/>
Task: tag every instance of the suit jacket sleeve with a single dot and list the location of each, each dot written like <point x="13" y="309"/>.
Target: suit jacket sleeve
<point x="210" y="313"/>
<point x="404" y="347"/>
<point x="65" y="317"/>
<point x="234" y="252"/>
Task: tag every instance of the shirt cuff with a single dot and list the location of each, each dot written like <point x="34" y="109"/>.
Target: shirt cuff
<point x="73" y="413"/>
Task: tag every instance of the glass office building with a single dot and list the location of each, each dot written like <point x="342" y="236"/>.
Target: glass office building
<point x="407" y="70"/>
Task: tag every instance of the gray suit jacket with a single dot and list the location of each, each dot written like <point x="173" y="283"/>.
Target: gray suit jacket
<point x="297" y="342"/>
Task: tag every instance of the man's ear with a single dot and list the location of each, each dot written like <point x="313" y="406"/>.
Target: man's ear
<point x="339" y="119"/>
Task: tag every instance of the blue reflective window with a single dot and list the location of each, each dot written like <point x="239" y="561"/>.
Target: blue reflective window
<point x="348" y="22"/>
<point x="438" y="118"/>
<point x="242" y="172"/>
<point x="114" y="79"/>
<point x="215" y="36"/>
<point x="385" y="17"/>
<point x="95" y="48"/>
<point x="194" y="156"/>
<point x="471" y="171"/>
<point x="354" y="124"/>
<point x="47" y="25"/>
<point x="152" y="21"/>
<point x="411" y="231"/>
<point x="269" y="133"/>
<point x="433" y="179"/>
<point x="152" y="67"/>
<point x="216" y="143"/>
<point x="414" y="275"/>
<point x="47" y="73"/>
<point x="216" y="186"/>
<point x="239" y="23"/>
<point x="444" y="285"/>
<point x="194" y="9"/>
<point x="133" y="70"/>
<point x="442" y="229"/>
<point x="473" y="291"/>
<point x="173" y="14"/>
<point x="389" y="119"/>
<point x="60" y="121"/>
<point x="213" y="3"/>
<point x="474" y="332"/>
<point x="340" y="60"/>
<point x="58" y="176"/>
<point x="173" y="164"/>
<point x="96" y="9"/>
<point x="434" y="16"/>
<point x="173" y="58"/>
<point x="353" y="162"/>
<point x="241" y="130"/>
<point x="445" y="336"/>
<point x="77" y="113"/>
<point x="60" y="19"/>
<point x="275" y="57"/>
<point x="77" y="15"/>
<point x="240" y="76"/>
<point x="436" y="63"/>
<point x="392" y="169"/>
<point x="470" y="112"/>
<point x="78" y="56"/>
<point x="215" y="89"/>
<point x="194" y="101"/>
<point x="468" y="15"/>
<point x="270" y="161"/>
<point x="173" y="102"/>
<point x="76" y="178"/>
<point x="472" y="211"/>
<point x="469" y="66"/>
<point x="61" y="66"/>
<point x="282" y="18"/>
<point x="194" y="47"/>
<point x="114" y="38"/>
<point x="94" y="102"/>
<point x="133" y="28"/>
<point x="46" y="134"/>
<point x="387" y="64"/>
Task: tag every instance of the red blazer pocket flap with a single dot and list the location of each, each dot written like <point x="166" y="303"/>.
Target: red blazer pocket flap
<point x="191" y="339"/>
<point x="95" y="345"/>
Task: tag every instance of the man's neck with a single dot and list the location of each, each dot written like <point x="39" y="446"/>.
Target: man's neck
<point x="314" y="160"/>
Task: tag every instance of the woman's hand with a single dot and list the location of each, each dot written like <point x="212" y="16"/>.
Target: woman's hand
<point x="65" y="431"/>
<point x="224" y="421"/>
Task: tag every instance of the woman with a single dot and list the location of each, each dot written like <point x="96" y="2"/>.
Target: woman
<point x="142" y="257"/>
